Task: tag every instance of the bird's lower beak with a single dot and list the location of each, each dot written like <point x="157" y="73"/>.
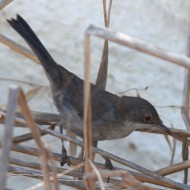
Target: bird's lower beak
<point x="163" y="127"/>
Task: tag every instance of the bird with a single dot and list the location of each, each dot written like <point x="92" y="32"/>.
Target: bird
<point x="113" y="117"/>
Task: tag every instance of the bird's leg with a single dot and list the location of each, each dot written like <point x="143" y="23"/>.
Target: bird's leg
<point x="94" y="144"/>
<point x="108" y="164"/>
<point x="64" y="157"/>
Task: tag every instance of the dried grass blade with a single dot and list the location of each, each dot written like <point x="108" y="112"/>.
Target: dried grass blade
<point x="41" y="118"/>
<point x="27" y="137"/>
<point x="129" y="181"/>
<point x="97" y="173"/>
<point x="103" y="69"/>
<point x="53" y="168"/>
<point x="174" y="168"/>
<point x="36" y="135"/>
<point x="109" y="12"/>
<point x="119" y="160"/>
<point x="7" y="137"/>
<point x="173" y="151"/>
<point x="139" y="45"/>
<point x="186" y="90"/>
<point x="139" y="176"/>
<point x="4" y="3"/>
<point x="18" y="48"/>
<point x="185" y="155"/>
<point x="87" y="114"/>
<point x="32" y="92"/>
<point x="38" y="175"/>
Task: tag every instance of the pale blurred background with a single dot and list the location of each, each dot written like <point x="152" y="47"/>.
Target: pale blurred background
<point x="60" y="24"/>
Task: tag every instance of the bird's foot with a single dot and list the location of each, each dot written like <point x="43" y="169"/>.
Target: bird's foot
<point x="64" y="158"/>
<point x="108" y="164"/>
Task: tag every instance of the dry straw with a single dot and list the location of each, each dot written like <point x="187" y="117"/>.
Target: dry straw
<point x="94" y="176"/>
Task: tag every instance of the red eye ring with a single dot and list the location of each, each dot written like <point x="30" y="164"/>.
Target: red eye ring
<point x="147" y="118"/>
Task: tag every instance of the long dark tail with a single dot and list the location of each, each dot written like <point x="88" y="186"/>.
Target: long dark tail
<point x="50" y="66"/>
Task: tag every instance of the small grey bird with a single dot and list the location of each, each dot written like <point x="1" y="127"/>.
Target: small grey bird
<point x="113" y="117"/>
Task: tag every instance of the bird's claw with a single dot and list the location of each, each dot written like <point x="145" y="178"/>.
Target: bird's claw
<point x="65" y="160"/>
<point x="108" y="164"/>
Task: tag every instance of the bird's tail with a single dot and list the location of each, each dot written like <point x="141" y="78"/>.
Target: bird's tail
<point x="50" y="66"/>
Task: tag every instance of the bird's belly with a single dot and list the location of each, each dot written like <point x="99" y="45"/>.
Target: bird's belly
<point x="108" y="131"/>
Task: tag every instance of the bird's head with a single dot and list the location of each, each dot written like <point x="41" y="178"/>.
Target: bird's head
<point x="141" y="113"/>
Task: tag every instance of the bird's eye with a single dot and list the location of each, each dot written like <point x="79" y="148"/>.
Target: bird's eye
<point x="147" y="118"/>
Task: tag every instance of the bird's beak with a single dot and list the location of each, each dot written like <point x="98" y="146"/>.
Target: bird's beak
<point x="163" y="127"/>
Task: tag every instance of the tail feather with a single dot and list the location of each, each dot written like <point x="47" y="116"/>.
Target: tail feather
<point x="50" y="66"/>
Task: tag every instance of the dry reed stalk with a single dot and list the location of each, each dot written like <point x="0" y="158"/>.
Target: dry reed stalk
<point x="18" y="48"/>
<point x="61" y="171"/>
<point x="139" y="45"/>
<point x="174" y="168"/>
<point x="97" y="173"/>
<point x="138" y="176"/>
<point x="43" y="118"/>
<point x="125" y="40"/>
<point x="40" y="118"/>
<point x="103" y="153"/>
<point x="21" y="81"/>
<point x="27" y="137"/>
<point x="178" y="134"/>
<point x="117" y="37"/>
<point x="186" y="90"/>
<point x="87" y="116"/>
<point x="103" y="69"/>
<point x="53" y="168"/>
<point x="186" y="102"/>
<point x="183" y="132"/>
<point x="38" y="175"/>
<point x="165" y="171"/>
<point x="7" y="137"/>
<point x="128" y="180"/>
<point x="37" y="166"/>
<point x="4" y="3"/>
<point x="185" y="155"/>
<point x="36" y="136"/>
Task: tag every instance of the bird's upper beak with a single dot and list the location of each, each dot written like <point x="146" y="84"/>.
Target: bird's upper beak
<point x="163" y="127"/>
